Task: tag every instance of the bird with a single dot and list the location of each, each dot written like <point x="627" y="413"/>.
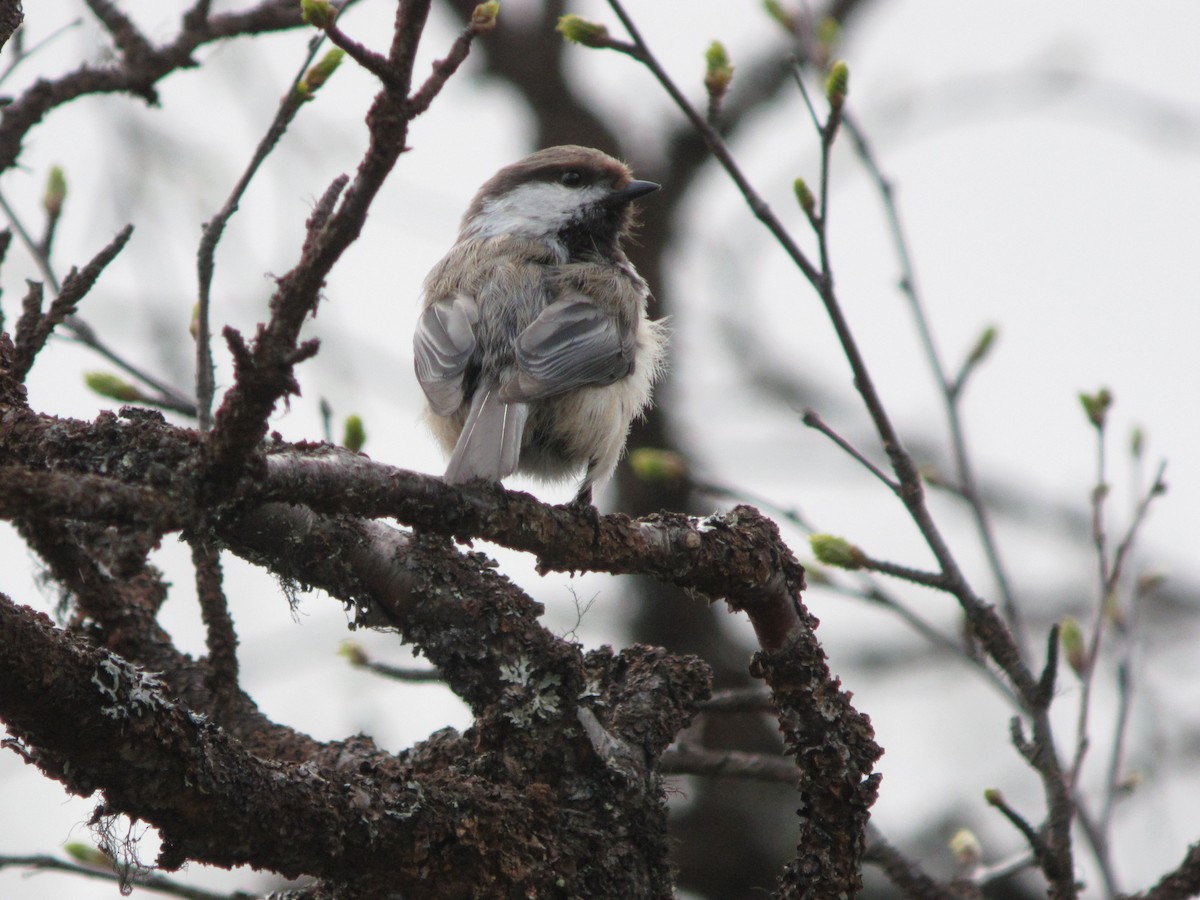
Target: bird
<point x="534" y="346"/>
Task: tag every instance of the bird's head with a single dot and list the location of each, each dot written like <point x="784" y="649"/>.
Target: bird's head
<point x="573" y="198"/>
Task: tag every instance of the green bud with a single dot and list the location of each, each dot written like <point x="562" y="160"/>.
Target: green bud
<point x="87" y="854"/>
<point x="776" y="11"/>
<point x="804" y="196"/>
<point x="993" y="797"/>
<point x="718" y="71"/>
<point x="983" y="346"/>
<point x="107" y="385"/>
<point x="353" y="653"/>
<point x="580" y="31"/>
<point x="1137" y="442"/>
<point x="837" y="84"/>
<point x="965" y="846"/>
<point x="829" y="30"/>
<point x="1096" y="406"/>
<point x="56" y="192"/>
<point x="836" y="551"/>
<point x="319" y="74"/>
<point x="483" y="17"/>
<point x="657" y="466"/>
<point x="194" y="324"/>
<point x="354" y="435"/>
<point x="318" y="12"/>
<point x="1070" y="636"/>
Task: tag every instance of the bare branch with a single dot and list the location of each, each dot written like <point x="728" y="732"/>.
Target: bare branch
<point x="146" y="880"/>
<point x="688" y="759"/>
<point x="214" y="610"/>
<point x="215" y="227"/>
<point x="951" y="392"/>
<point x="909" y="877"/>
<point x="74" y="288"/>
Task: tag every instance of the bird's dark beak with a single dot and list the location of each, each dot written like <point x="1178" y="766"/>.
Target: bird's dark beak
<point x="632" y="191"/>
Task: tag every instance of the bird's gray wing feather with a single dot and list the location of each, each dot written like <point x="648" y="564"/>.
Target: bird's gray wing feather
<point x="571" y="344"/>
<point x="489" y="446"/>
<point x="442" y="347"/>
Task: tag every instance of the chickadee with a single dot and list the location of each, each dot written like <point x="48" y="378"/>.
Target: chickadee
<point x="534" y="348"/>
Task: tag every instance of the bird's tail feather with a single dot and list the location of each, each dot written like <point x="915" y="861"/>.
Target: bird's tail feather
<point x="489" y="446"/>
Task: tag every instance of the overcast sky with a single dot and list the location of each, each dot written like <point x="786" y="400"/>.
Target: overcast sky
<point x="1047" y="163"/>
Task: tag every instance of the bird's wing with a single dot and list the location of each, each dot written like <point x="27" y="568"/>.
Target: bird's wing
<point x="442" y="347"/>
<point x="571" y="344"/>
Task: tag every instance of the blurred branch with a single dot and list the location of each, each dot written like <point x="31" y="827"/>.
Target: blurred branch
<point x="908" y="876"/>
<point x="950" y="390"/>
<point x="143" y="881"/>
<point x="738" y="700"/>
<point x="688" y="759"/>
<point x="357" y="657"/>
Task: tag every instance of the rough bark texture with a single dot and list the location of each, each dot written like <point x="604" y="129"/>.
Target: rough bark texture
<point x="555" y="789"/>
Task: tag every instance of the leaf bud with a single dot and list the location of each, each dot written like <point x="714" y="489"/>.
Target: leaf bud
<point x="578" y="30"/>
<point x="1096" y="406"/>
<point x="718" y="71"/>
<point x="656" y="466"/>
<point x="804" y="196"/>
<point x="1070" y="636"/>
<point x="320" y="13"/>
<point x="483" y="17"/>
<point x="965" y="846"/>
<point x="836" y="551"/>
<point x="353" y="434"/>
<point x="112" y="386"/>
<point x="837" y="84"/>
<point x="56" y="192"/>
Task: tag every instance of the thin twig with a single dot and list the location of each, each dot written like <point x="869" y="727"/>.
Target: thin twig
<point x="904" y="873"/>
<point x="34" y="329"/>
<point x="813" y="420"/>
<point x="398" y="673"/>
<point x="145" y="881"/>
<point x="215" y="227"/>
<point x="736" y="700"/>
<point x="23" y="54"/>
<point x="80" y="331"/>
<point x="1032" y="837"/>
<point x="873" y="593"/>
<point x="951" y="392"/>
<point x="373" y="62"/>
<point x="990" y="629"/>
<point x="688" y="759"/>
<point x="1005" y="868"/>
<point x="934" y="580"/>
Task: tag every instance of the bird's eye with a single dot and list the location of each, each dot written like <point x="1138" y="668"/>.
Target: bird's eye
<point x="571" y="179"/>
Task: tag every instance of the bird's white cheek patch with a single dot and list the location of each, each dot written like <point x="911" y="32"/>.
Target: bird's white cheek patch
<point x="537" y="209"/>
